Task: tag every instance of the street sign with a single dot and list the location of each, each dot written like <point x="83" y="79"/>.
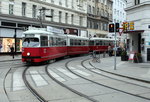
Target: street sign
<point x="120" y="31"/>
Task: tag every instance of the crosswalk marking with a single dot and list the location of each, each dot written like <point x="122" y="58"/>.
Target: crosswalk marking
<point x="73" y="68"/>
<point x="38" y="79"/>
<point x="96" y="71"/>
<point x="81" y="72"/>
<point x="18" y="83"/>
<point x="68" y="73"/>
<point x="56" y="76"/>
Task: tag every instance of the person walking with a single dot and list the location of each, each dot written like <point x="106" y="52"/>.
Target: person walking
<point x="110" y="50"/>
<point x="12" y="51"/>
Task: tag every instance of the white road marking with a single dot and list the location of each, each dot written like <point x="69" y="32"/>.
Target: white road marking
<point x="73" y="68"/>
<point x="18" y="83"/>
<point x="38" y="79"/>
<point x="56" y="76"/>
<point x="68" y="73"/>
<point x="97" y="71"/>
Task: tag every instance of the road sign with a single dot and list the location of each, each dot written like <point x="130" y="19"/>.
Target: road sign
<point x="120" y="31"/>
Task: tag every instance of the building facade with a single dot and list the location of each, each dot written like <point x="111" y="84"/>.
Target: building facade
<point x="139" y="38"/>
<point x="119" y="15"/>
<point x="17" y="15"/>
<point x="99" y="14"/>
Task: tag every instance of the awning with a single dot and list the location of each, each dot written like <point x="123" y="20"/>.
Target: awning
<point x="134" y="31"/>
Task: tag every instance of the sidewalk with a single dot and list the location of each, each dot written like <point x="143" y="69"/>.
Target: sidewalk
<point x="3" y="72"/>
<point x="138" y="71"/>
<point x="9" y="57"/>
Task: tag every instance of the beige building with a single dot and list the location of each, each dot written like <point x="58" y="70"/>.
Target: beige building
<point x="139" y="38"/>
<point x="18" y="15"/>
<point x="99" y="14"/>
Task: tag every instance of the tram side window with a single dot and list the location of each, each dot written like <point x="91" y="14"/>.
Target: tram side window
<point x="91" y="43"/>
<point x="86" y="42"/>
<point x="97" y="42"/>
<point x="104" y="43"/>
<point x="71" y="42"/>
<point x="50" y="41"/>
<point x="59" y="42"/>
<point x="80" y="42"/>
<point x="100" y="42"/>
<point x="75" y="42"/>
<point x="62" y="41"/>
<point x="44" y="41"/>
<point x="54" y="41"/>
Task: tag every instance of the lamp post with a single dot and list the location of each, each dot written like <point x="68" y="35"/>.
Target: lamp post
<point x="115" y="46"/>
<point x="42" y="15"/>
<point x="15" y="37"/>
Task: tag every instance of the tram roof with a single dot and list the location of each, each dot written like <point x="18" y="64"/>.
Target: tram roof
<point x="36" y="32"/>
<point x="102" y="39"/>
<point x="77" y="37"/>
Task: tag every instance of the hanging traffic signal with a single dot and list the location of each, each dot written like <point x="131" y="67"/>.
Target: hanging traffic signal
<point x="111" y="28"/>
<point x="117" y="27"/>
<point x="125" y="26"/>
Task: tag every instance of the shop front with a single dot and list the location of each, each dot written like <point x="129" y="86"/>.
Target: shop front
<point x="10" y="37"/>
<point x="138" y="43"/>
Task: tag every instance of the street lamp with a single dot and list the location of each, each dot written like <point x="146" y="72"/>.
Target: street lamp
<point x="42" y="15"/>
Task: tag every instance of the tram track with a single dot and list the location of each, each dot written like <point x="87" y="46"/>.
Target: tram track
<point x="141" y="80"/>
<point x="45" y="97"/>
<point x="9" y="89"/>
<point x="40" y="97"/>
<point x="71" y="89"/>
<point x="100" y="70"/>
<point x="97" y="83"/>
<point x="12" y="67"/>
<point x="32" y="90"/>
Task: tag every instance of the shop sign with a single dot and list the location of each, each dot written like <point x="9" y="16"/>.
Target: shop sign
<point x="71" y="31"/>
<point x="128" y="26"/>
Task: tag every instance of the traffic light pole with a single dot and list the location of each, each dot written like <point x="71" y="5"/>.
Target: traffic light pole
<point x="115" y="46"/>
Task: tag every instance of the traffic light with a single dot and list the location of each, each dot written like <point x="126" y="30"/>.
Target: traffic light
<point x="111" y="28"/>
<point x="117" y="27"/>
<point x="125" y="25"/>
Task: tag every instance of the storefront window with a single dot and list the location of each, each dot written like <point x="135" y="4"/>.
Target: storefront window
<point x="6" y="43"/>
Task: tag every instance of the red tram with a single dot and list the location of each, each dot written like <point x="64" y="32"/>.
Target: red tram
<point x="100" y="44"/>
<point x="41" y="44"/>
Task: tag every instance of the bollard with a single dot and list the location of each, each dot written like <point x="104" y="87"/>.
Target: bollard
<point x="104" y="54"/>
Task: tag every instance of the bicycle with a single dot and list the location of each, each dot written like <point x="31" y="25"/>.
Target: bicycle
<point x="95" y="58"/>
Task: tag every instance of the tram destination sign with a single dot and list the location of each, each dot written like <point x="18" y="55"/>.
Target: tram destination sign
<point x="55" y="30"/>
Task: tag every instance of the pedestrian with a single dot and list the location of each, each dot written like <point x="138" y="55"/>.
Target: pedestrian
<point x="110" y="50"/>
<point x="0" y="47"/>
<point x="12" y="51"/>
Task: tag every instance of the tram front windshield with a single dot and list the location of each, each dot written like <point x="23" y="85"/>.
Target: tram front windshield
<point x="31" y="42"/>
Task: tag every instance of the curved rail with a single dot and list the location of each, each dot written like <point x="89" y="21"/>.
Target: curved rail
<point x="74" y="91"/>
<point x="103" y="84"/>
<point x="32" y="90"/>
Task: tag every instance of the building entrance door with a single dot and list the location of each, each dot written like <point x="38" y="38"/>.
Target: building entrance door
<point x="139" y="42"/>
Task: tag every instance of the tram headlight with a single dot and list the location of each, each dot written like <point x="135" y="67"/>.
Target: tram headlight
<point x="28" y="54"/>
